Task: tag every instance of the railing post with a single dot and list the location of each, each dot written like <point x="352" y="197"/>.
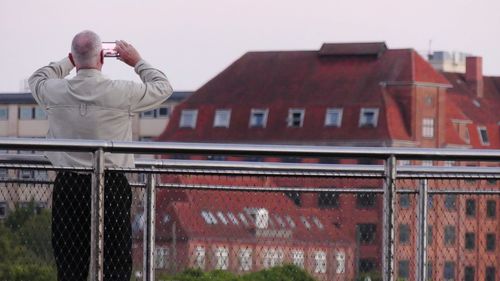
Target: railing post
<point x="389" y="218"/>
<point x="97" y="218"/>
<point x="422" y="231"/>
<point x="149" y="229"/>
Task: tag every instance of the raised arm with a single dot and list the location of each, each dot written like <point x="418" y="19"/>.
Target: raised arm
<point x="55" y="70"/>
<point x="155" y="88"/>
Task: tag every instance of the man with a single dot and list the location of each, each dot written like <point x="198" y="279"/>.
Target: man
<point x="92" y="106"/>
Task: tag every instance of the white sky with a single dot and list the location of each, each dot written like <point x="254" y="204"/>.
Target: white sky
<point x="192" y="41"/>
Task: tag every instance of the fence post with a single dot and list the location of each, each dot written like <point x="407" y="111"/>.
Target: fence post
<point x="422" y="231"/>
<point x="149" y="230"/>
<point x="97" y="218"/>
<point x="389" y="218"/>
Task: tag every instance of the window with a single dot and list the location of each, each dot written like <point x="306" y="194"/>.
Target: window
<point x="317" y="222"/>
<point x="469" y="273"/>
<point x="40" y="114"/>
<point x="367" y="265"/>
<point x="427" y="163"/>
<point x="470" y="207"/>
<point x="450" y="201"/>
<point x="491" y="209"/>
<point x="245" y="257"/>
<point x="208" y="217"/>
<point x="295" y="196"/>
<point x="280" y="221"/>
<point x="319" y="262"/>
<point x="295" y="118"/>
<point x="449" y="270"/>
<point x="3" y="210"/>
<point x="161" y="112"/>
<point x="470" y="240"/>
<point x="403" y="269"/>
<point x="243" y="219"/>
<point x="365" y="200"/>
<point x="298" y="258"/>
<point x="272" y="257"/>
<point x="340" y="259"/>
<point x="221" y="255"/>
<point x="199" y="257"/>
<point x="449" y="235"/>
<point x="258" y="118"/>
<point x="25" y="112"/>
<point x="188" y="118"/>
<point x="368" y="117"/>
<point x="328" y="200"/>
<point x="161" y="257"/>
<point x="490" y="273"/>
<point x="222" y="218"/>
<point x="404" y="200"/>
<point x="429" y="235"/>
<point x="430" y="201"/>
<point x="222" y="118"/>
<point x="428" y="127"/>
<point x="366" y="233"/>
<point x="290" y="221"/>
<point x="490" y="242"/>
<point x="404" y="233"/>
<point x="4" y="113"/>
<point x="305" y="222"/>
<point x="333" y="117"/>
<point x="483" y="133"/>
<point x="233" y="218"/>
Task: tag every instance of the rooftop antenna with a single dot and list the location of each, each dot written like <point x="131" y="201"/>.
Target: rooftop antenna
<point x="429" y="54"/>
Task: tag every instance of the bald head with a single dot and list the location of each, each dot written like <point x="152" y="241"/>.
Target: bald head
<point x="86" y="50"/>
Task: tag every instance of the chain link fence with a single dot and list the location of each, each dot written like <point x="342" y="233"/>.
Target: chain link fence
<point x="166" y="219"/>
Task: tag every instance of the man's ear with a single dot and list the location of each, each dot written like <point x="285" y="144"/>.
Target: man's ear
<point x="70" y="56"/>
<point x="102" y="56"/>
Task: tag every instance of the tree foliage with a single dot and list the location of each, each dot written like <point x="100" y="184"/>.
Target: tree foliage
<point x="280" y="273"/>
<point x="25" y="249"/>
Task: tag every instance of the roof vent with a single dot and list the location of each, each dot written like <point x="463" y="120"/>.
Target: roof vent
<point x="374" y="49"/>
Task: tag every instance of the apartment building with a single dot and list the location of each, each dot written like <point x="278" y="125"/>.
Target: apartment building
<point x="362" y="94"/>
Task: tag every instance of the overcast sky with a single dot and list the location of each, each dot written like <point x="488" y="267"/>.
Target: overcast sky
<point x="192" y="41"/>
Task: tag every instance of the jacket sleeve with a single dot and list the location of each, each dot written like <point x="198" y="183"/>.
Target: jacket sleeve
<point x="153" y="92"/>
<point x="55" y="70"/>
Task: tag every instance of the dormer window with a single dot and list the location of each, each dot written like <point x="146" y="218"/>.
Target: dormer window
<point x="483" y="134"/>
<point x="258" y="118"/>
<point x="368" y="117"/>
<point x="188" y="118"/>
<point x="222" y="118"/>
<point x="295" y="118"/>
<point x="428" y="128"/>
<point x="333" y="117"/>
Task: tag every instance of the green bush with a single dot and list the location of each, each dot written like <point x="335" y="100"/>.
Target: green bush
<point x="279" y="273"/>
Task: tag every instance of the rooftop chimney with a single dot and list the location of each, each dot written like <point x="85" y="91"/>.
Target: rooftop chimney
<point x="474" y="74"/>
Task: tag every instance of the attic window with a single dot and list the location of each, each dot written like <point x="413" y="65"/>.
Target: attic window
<point x="222" y="118"/>
<point x="233" y="218"/>
<point x="295" y="118"/>
<point x="483" y="133"/>
<point x="368" y="117"/>
<point x="333" y="117"/>
<point x="208" y="217"/>
<point x="428" y="128"/>
<point x="305" y="222"/>
<point x="258" y="118"/>
<point x="188" y="118"/>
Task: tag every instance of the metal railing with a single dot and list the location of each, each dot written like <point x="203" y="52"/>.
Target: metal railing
<point x="387" y="171"/>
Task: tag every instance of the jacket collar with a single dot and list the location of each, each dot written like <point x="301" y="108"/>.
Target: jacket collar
<point x="88" y="72"/>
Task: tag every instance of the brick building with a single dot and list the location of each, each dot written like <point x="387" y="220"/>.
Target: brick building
<point x="358" y="94"/>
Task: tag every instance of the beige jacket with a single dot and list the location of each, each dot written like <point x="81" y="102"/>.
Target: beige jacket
<point x="92" y="106"/>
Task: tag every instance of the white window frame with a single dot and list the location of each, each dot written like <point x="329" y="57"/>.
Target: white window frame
<point x="233" y="218"/>
<point x="222" y="218"/>
<point x="329" y="113"/>
<point x="245" y="259"/>
<point x="479" y="130"/>
<point x="340" y="259"/>
<point x="188" y="118"/>
<point x="221" y="257"/>
<point x="199" y="257"/>
<point x="158" y="110"/>
<point x="298" y="258"/>
<point x="222" y="118"/>
<point x="252" y="122"/>
<point x="161" y="257"/>
<point x="272" y="257"/>
<point x="363" y="122"/>
<point x="428" y="128"/>
<point x="291" y="119"/>
<point x="150" y="114"/>
<point x="4" y="108"/>
<point x="320" y="262"/>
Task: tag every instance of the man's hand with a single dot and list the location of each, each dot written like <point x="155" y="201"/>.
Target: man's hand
<point x="128" y="54"/>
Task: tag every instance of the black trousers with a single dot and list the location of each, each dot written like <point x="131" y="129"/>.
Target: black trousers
<point x="71" y="226"/>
